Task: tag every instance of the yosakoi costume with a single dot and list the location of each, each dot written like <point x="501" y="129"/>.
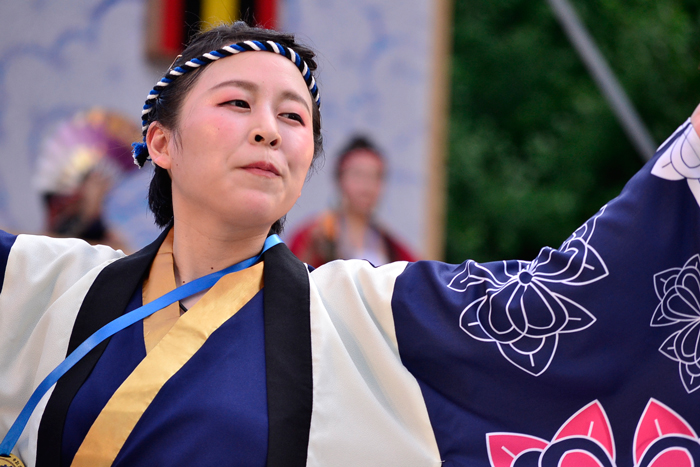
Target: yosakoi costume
<point x="587" y="355"/>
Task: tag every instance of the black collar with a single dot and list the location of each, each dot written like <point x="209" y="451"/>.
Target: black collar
<point x="287" y="357"/>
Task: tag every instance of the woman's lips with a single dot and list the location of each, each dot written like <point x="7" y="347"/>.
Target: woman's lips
<point x="262" y="168"/>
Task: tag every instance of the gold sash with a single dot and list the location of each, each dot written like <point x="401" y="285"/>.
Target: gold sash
<point x="160" y="280"/>
<point x="126" y="406"/>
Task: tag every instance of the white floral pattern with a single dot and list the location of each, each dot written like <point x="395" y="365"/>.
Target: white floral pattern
<point x="517" y="307"/>
<point x="678" y="290"/>
<point x="680" y="159"/>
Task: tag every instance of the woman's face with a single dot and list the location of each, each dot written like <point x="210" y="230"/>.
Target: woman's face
<point x="361" y="181"/>
<point x="243" y="143"/>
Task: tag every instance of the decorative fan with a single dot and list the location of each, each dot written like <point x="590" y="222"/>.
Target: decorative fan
<point x="94" y="140"/>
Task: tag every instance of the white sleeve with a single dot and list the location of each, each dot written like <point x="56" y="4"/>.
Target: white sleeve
<point x="45" y="281"/>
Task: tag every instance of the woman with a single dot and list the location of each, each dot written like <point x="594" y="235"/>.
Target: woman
<point x="350" y="231"/>
<point x="580" y="357"/>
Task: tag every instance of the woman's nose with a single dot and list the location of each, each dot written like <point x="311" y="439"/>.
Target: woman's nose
<point x="259" y="138"/>
<point x="265" y="132"/>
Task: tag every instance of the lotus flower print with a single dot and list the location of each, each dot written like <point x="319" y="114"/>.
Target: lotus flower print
<point x="678" y="290"/>
<point x="680" y="159"/>
<point x="518" y="307"/>
<point x="585" y="440"/>
<point x="662" y="438"/>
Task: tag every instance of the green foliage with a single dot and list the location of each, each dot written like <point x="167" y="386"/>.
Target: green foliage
<point x="534" y="148"/>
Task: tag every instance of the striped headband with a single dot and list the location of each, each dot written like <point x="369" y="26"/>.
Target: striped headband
<point x="140" y="150"/>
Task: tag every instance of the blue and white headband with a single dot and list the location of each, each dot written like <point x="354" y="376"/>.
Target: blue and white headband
<point x="140" y="150"/>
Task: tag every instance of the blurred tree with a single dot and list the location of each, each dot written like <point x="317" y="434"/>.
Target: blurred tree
<point x="534" y="149"/>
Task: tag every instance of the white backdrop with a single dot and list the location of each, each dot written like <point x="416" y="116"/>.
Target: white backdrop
<point x="58" y="57"/>
<point x="376" y="56"/>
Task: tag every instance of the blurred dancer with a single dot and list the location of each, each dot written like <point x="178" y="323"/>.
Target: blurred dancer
<point x="351" y="230"/>
<point x="77" y="167"/>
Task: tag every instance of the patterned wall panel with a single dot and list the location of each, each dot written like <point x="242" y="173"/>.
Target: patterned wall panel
<point x="61" y="56"/>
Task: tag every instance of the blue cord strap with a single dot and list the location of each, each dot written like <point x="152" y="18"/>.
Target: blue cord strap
<point x="113" y="327"/>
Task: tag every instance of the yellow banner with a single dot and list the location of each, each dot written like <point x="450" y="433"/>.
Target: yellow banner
<point x="215" y="12"/>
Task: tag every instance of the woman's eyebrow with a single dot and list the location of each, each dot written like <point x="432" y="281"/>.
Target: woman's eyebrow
<point x="293" y="96"/>
<point x="247" y="85"/>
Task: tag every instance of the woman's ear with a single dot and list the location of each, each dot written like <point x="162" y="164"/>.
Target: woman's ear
<point x="158" y="141"/>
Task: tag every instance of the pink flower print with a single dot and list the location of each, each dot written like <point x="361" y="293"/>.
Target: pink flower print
<point x="664" y="439"/>
<point x="585" y="440"/>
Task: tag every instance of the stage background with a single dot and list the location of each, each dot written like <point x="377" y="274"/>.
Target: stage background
<point x="382" y="73"/>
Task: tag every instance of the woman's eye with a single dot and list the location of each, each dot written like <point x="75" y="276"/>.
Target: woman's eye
<point x="239" y="103"/>
<point x="293" y="116"/>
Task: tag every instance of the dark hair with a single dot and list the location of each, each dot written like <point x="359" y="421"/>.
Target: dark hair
<point x="356" y="143"/>
<point x="167" y="108"/>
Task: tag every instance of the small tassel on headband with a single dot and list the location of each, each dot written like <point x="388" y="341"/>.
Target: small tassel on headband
<point x="140" y="153"/>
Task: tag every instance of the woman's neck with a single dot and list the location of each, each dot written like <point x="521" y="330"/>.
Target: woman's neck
<point x="198" y="251"/>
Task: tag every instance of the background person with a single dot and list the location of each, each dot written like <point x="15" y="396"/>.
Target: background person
<point x="351" y="230"/>
<point x="80" y="162"/>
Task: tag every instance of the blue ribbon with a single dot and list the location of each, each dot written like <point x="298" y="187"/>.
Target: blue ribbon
<point x="113" y="327"/>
